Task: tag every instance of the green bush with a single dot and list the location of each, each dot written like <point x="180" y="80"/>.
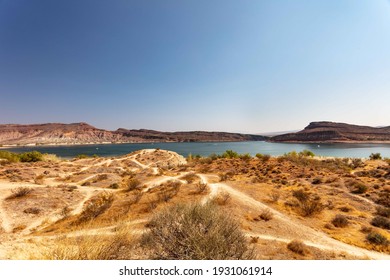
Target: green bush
<point x="230" y="154"/>
<point x="245" y="156"/>
<point x="195" y="232"/>
<point x="263" y="157"/>
<point x="81" y="156"/>
<point x="375" y="156"/>
<point x="9" y="156"/>
<point x="306" y="153"/>
<point x="31" y="156"/>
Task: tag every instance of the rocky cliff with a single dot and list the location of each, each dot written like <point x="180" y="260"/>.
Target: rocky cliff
<point x="83" y="133"/>
<point x="331" y="132"/>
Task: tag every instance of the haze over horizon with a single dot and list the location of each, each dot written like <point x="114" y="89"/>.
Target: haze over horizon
<point x="236" y="66"/>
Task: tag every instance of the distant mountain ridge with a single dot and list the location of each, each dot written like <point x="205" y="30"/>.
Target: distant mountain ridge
<point x="83" y="133"/>
<point x="332" y="132"/>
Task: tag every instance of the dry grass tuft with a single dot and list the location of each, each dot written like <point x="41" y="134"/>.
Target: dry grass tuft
<point x="340" y="221"/>
<point x="195" y="232"/>
<point x="19" y="192"/>
<point x="307" y="203"/>
<point x="222" y="198"/>
<point x="201" y="188"/>
<point x="297" y="247"/>
<point x="115" y="246"/>
<point x="97" y="206"/>
<point x="266" y="215"/>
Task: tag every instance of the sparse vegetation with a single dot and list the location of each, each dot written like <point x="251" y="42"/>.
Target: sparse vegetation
<point x="19" y="192"/>
<point x="306" y="153"/>
<point x="297" y="247"/>
<point x="381" y="222"/>
<point x="190" y="177"/>
<point x="266" y="215"/>
<point x="195" y="232"/>
<point x="377" y="238"/>
<point x="32" y="210"/>
<point x="222" y="198"/>
<point x="119" y="245"/>
<point x="201" y="188"/>
<point x="290" y="185"/>
<point x="383" y="211"/>
<point x="308" y="204"/>
<point x="96" y="206"/>
<point x="133" y="184"/>
<point x="340" y="221"/>
<point x="262" y="157"/>
<point x="82" y="156"/>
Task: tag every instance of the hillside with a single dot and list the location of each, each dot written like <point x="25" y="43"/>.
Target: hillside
<point x="122" y="207"/>
<point x="83" y="133"/>
<point x="331" y="132"/>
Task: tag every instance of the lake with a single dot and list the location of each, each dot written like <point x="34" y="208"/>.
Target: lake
<point x="205" y="149"/>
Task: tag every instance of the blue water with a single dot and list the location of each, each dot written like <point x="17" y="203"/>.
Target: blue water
<point x="205" y="149"/>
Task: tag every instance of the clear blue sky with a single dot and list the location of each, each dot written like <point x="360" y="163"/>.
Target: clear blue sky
<point x="217" y="65"/>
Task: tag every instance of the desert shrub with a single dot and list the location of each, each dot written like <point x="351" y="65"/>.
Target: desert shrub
<point x="169" y="191"/>
<point x="382" y="222"/>
<point x="375" y="156"/>
<point x="82" y="156"/>
<point x="133" y="184"/>
<point x="101" y="177"/>
<point x="9" y="156"/>
<point x="340" y="221"/>
<point x="137" y="195"/>
<point x="266" y="215"/>
<point x="306" y="153"/>
<point x="245" y="156"/>
<point x="356" y="163"/>
<point x="262" y="157"/>
<point x="114" y="186"/>
<point x="345" y="209"/>
<point x="301" y="195"/>
<point x="274" y="196"/>
<point x="307" y="203"/>
<point x="65" y="212"/>
<point x="357" y="187"/>
<point x="190" y="177"/>
<point x="383" y="211"/>
<point x="32" y="210"/>
<point x="201" y="188"/>
<point x="96" y="206"/>
<point x="230" y="154"/>
<point x="33" y="156"/>
<point x="19" y="192"/>
<point x="377" y="238"/>
<point x="316" y="181"/>
<point x="50" y="158"/>
<point x="297" y="246"/>
<point x="226" y="176"/>
<point x="222" y="198"/>
<point x="213" y="156"/>
<point x="195" y="232"/>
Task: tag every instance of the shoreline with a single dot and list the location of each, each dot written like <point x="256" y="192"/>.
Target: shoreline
<point x="10" y="146"/>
